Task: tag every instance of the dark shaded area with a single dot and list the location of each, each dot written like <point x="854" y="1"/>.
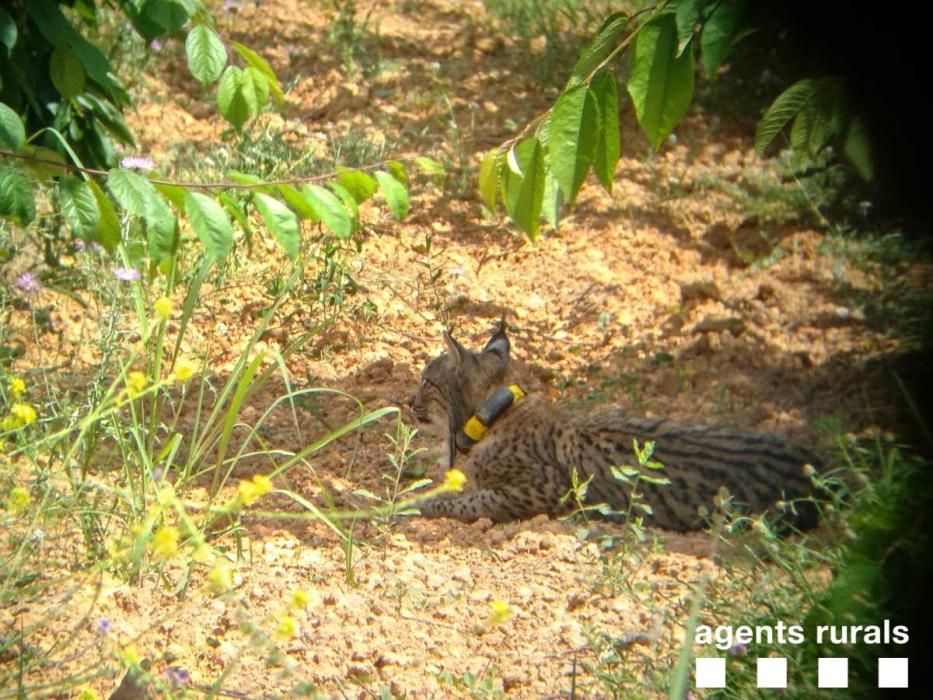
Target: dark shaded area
<point x="883" y="55"/>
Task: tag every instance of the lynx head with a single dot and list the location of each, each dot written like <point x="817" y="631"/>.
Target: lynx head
<point x="454" y="385"/>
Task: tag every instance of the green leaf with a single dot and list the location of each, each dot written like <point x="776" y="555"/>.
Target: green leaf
<point x="235" y="209"/>
<point x="787" y="105"/>
<point x="16" y="200"/>
<point x="431" y="167"/>
<point x="66" y="72"/>
<point x="599" y="49"/>
<point x="79" y="206"/>
<point x="857" y="149"/>
<point x="572" y="142"/>
<point x="398" y="171"/>
<point x="210" y="223"/>
<point x="259" y="85"/>
<point x="169" y="15"/>
<point x="161" y="230"/>
<point x="349" y="201"/>
<point x="661" y="84"/>
<point x="108" y="115"/>
<point x="358" y="183"/>
<point x="8" y="31"/>
<point x="606" y="91"/>
<point x="256" y="61"/>
<point x="686" y="15"/>
<point x="489" y="178"/>
<point x="720" y="32"/>
<point x="12" y="132"/>
<point x="107" y="232"/>
<point x="330" y="209"/>
<point x="236" y="97"/>
<point x="206" y="54"/>
<point x="173" y="193"/>
<point x="138" y="197"/>
<point x="524" y="185"/>
<point x="812" y="128"/>
<point x="281" y="221"/>
<point x="298" y="203"/>
<point x="395" y="194"/>
<point x="42" y="163"/>
<point x="132" y="192"/>
<point x="552" y="200"/>
<point x="55" y="27"/>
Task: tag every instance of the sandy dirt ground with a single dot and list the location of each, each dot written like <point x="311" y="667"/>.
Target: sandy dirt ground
<point x="663" y="296"/>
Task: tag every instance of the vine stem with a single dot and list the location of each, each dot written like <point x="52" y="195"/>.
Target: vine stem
<point x="203" y="185"/>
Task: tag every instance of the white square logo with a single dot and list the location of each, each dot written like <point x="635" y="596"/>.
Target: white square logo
<point x="833" y="673"/>
<point x="772" y="673"/>
<point x="710" y="672"/>
<point x="892" y="672"/>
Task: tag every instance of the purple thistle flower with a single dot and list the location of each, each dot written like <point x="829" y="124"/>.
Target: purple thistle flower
<point x="103" y="626"/>
<point x="126" y="274"/>
<point x="157" y="474"/>
<point x="137" y="163"/>
<point x="176" y="675"/>
<point x="738" y="649"/>
<point x="28" y="284"/>
<point x="80" y="244"/>
<point x="230" y="5"/>
<point x="155" y="45"/>
<point x="95" y="247"/>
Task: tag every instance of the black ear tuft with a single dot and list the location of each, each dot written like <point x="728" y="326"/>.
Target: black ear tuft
<point x="499" y="343"/>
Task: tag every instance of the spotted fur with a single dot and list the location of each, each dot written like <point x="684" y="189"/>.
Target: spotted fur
<point x="523" y="466"/>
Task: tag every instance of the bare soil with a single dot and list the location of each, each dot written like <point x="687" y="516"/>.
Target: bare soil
<point x="662" y="296"/>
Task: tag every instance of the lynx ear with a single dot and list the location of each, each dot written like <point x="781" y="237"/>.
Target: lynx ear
<point x="456" y="350"/>
<point x="499" y="344"/>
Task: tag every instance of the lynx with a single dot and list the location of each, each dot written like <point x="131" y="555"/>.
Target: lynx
<point x="519" y="453"/>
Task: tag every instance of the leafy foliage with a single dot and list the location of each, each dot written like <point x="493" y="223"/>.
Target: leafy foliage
<point x="580" y="133"/>
<point x="79" y="116"/>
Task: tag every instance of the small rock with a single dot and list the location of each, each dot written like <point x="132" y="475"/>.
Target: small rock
<point x="765" y="292"/>
<point x="717" y="325"/>
<point x="698" y="291"/>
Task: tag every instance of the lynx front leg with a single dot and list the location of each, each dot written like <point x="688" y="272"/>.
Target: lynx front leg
<point x="499" y="505"/>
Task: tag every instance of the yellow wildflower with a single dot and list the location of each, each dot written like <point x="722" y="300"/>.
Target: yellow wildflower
<point x="251" y="491"/>
<point x="300" y="599"/>
<point x="24" y="412"/>
<point x="19" y="499"/>
<point x="17" y="387"/>
<point x="499" y="612"/>
<point x="130" y="655"/>
<point x="220" y="578"/>
<point x="454" y="480"/>
<point x="201" y="553"/>
<point x="164" y="308"/>
<point x="135" y="383"/>
<point x="88" y="694"/>
<point x="2" y="447"/>
<point x="184" y="369"/>
<point x="288" y="628"/>
<point x="165" y="541"/>
<point x="165" y="496"/>
<point x="20" y="414"/>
